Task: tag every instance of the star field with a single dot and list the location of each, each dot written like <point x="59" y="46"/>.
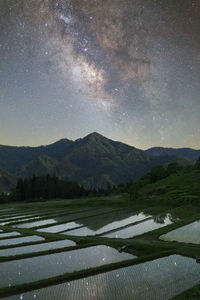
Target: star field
<point x="126" y="69"/>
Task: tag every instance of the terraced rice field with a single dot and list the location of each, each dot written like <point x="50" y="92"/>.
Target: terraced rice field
<point x="35" y="224"/>
<point x="94" y="253"/>
<point x="20" y="240"/>
<point x="186" y="234"/>
<point x="111" y="226"/>
<point x="159" y="279"/>
<point x="138" y="229"/>
<point x="37" y="248"/>
<point x="17" y="272"/>
<point x="60" y="228"/>
<point x="8" y="234"/>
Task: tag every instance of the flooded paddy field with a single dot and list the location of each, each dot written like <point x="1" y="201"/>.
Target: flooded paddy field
<point x="34" y="224"/>
<point x="99" y="224"/>
<point x="141" y="268"/>
<point x="5" y="218"/>
<point x="138" y="229"/>
<point x="8" y="234"/>
<point x="36" y="268"/>
<point x="11" y="222"/>
<point x="143" y="223"/>
<point x="60" y="228"/>
<point x="160" y="279"/>
<point x="59" y="218"/>
<point x="37" y="248"/>
<point x="93" y="227"/>
<point x="20" y="240"/>
<point x="187" y="234"/>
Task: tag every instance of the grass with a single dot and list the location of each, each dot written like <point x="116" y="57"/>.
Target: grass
<point x="177" y="189"/>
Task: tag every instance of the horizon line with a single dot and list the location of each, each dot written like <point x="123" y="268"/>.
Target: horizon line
<point x="74" y="140"/>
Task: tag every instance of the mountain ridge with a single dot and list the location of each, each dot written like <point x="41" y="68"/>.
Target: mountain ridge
<point x="94" y="161"/>
<point x="66" y="140"/>
<point x="189" y="153"/>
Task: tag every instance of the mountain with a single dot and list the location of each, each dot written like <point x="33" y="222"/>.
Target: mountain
<point x="186" y="153"/>
<point x="94" y="161"/>
<point x="13" y="158"/>
<point x="7" y="181"/>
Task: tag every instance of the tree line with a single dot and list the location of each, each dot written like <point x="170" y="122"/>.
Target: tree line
<point x="43" y="187"/>
<point x="51" y="187"/>
<point x="37" y="188"/>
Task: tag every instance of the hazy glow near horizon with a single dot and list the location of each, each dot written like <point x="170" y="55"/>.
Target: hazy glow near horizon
<point x="127" y="69"/>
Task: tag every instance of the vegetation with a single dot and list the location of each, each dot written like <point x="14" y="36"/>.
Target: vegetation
<point x="43" y="187"/>
<point x="173" y="184"/>
<point x="7" y="181"/>
<point x="93" y="161"/>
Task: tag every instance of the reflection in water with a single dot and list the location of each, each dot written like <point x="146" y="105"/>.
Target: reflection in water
<point x="8" y="218"/>
<point x="82" y="214"/>
<point x="36" y="248"/>
<point x="10" y="222"/>
<point x="160" y="279"/>
<point x="138" y="229"/>
<point x="187" y="234"/>
<point x="114" y="225"/>
<point x="58" y="228"/>
<point x="64" y="218"/>
<point x="8" y="234"/>
<point x="97" y="222"/>
<point x="36" y="268"/>
<point x="21" y="240"/>
<point x="35" y="224"/>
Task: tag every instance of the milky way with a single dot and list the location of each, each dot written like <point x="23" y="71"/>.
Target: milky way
<point x="128" y="69"/>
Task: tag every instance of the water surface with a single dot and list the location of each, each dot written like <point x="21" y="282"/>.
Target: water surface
<point x="187" y="234"/>
<point x="138" y="229"/>
<point x="20" y="240"/>
<point x="160" y="279"/>
<point x="113" y="225"/>
<point x="15" y="217"/>
<point x="58" y="228"/>
<point x="8" y="234"/>
<point x="37" y="248"/>
<point x="35" y="224"/>
<point x="36" y="268"/>
<point x="81" y="214"/>
<point x="7" y="222"/>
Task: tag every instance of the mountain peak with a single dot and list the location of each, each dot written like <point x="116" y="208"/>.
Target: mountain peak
<point x="95" y="135"/>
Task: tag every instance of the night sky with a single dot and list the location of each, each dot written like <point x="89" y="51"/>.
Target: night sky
<point x="128" y="69"/>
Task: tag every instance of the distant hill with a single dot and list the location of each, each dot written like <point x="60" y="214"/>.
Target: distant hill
<point x="186" y="153"/>
<point x="94" y="161"/>
<point x="176" y="189"/>
<point x="13" y="158"/>
<point x="7" y="181"/>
